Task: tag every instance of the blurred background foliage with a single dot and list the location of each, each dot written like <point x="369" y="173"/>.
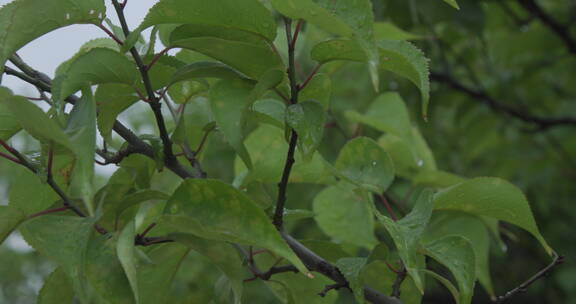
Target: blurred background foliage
<point x="503" y="78"/>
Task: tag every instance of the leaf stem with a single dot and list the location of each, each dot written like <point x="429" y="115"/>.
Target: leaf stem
<point x="310" y="76"/>
<point x="10" y="158"/>
<point x="388" y="207"/>
<point x="49" y="211"/>
<point x="109" y="33"/>
<point x="156" y="58"/>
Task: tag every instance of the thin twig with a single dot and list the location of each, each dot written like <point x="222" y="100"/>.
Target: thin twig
<point x="109" y="33"/>
<point x="154" y="103"/>
<point x="10" y="158"/>
<point x="156" y="58"/>
<point x="388" y="207"/>
<point x="483" y="97"/>
<point x="336" y="286"/>
<point x="49" y="211"/>
<point x="283" y="185"/>
<point x="400" y="277"/>
<point x="560" y="30"/>
<point x="524" y="286"/>
<point x="310" y="76"/>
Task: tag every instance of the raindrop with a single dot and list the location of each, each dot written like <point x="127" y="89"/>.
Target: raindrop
<point x="373" y="163"/>
<point x="420" y="163"/>
<point x="67" y="16"/>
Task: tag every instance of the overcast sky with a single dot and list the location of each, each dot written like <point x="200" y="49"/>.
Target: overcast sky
<point x="47" y="52"/>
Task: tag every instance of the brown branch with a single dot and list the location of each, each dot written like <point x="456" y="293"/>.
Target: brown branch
<point x="272" y="271"/>
<point x="314" y="262"/>
<point x="336" y="286"/>
<point x="43" y="83"/>
<point x="49" y="211"/>
<point x="400" y="277"/>
<point x="384" y="201"/>
<point x="154" y="102"/>
<point x="278" y="219"/>
<point x="560" y="30"/>
<point x="308" y="257"/>
<point x="539" y="275"/>
<point x="483" y="97"/>
<point x="110" y="34"/>
<point x="117" y="157"/>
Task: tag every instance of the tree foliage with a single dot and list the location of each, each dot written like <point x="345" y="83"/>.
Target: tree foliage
<point x="299" y="155"/>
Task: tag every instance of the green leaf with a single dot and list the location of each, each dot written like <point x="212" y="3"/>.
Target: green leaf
<point x="389" y="31"/>
<point x="407" y="233"/>
<point x="318" y="89"/>
<point x="104" y="271"/>
<point x="444" y="281"/>
<point x="457" y="254"/>
<point x="215" y="210"/>
<point x="86" y="47"/>
<point x="10" y="218"/>
<point x="453" y="3"/>
<point x="406" y="60"/>
<point x="471" y="228"/>
<point x="30" y="202"/>
<point x="222" y="254"/>
<point x="409" y="151"/>
<point x="64" y="240"/>
<point x="358" y="14"/>
<point x="97" y="66"/>
<point x="267" y="148"/>
<point x="379" y="276"/>
<point x="112" y="99"/>
<point x="297" y="214"/>
<point x="253" y="60"/>
<point x="229" y="101"/>
<point x="34" y="120"/>
<point x="138" y="197"/>
<point x="492" y="197"/>
<point x="314" y="14"/>
<point x="155" y="278"/>
<point x="204" y="69"/>
<point x="182" y="92"/>
<point x="56" y="289"/>
<point x="399" y="57"/>
<point x="345" y="215"/>
<point x="337" y="49"/>
<point x="387" y="113"/>
<point x="437" y="178"/>
<point x="246" y="15"/>
<point x="307" y="119"/>
<point x="351" y="268"/>
<point x="362" y="162"/>
<point x="269" y="111"/>
<point x="22" y="21"/>
<point x="81" y="130"/>
<point x="197" y="116"/>
<point x="126" y="254"/>
<point x="9" y="124"/>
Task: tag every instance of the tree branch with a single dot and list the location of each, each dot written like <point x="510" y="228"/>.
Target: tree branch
<point x="43" y="83"/>
<point x="155" y="104"/>
<point x="483" y="97"/>
<point x="540" y="274"/>
<point x="314" y="262"/>
<point x="283" y="185"/>
<point x="560" y="30"/>
<point x="308" y="257"/>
